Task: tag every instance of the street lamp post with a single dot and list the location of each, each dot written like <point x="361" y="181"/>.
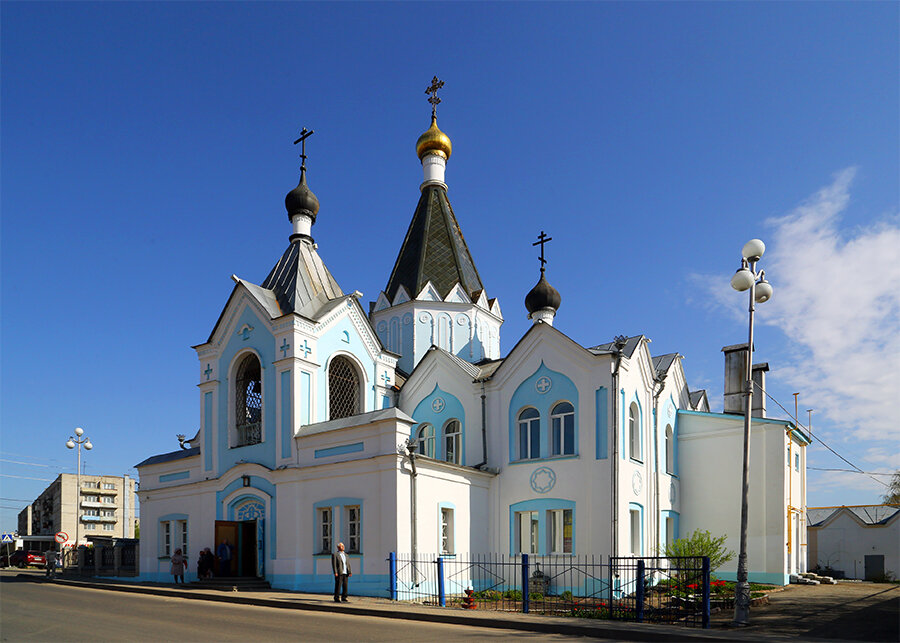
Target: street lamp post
<point x="747" y="278"/>
<point x="71" y="443"/>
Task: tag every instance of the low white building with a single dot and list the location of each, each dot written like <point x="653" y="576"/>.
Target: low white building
<point x="307" y="405"/>
<point x="855" y="542"/>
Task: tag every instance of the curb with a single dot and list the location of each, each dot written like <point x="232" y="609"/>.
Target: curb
<point x="525" y="622"/>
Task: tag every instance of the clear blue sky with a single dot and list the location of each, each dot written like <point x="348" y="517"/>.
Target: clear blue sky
<point x="146" y="151"/>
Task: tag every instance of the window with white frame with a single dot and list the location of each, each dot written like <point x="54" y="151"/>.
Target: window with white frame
<point x="447" y="545"/>
<point x="796" y="462"/>
<point x="529" y="434"/>
<point x="528" y="532"/>
<point x="92" y="498"/>
<point x="182" y="527"/>
<point x="635" y="524"/>
<point x="108" y="527"/>
<point x="425" y="437"/>
<point x="165" y="540"/>
<point x="452" y="442"/>
<point x="562" y="429"/>
<point x="109" y="513"/>
<point x="670" y="449"/>
<point x="91" y="512"/>
<point x="634" y="433"/>
<point x="560" y="521"/>
<point x="90" y="526"/>
<point x="109" y="500"/>
<point x="109" y="485"/>
<point x="351" y="513"/>
<point x="670" y="530"/>
<point x="326" y="531"/>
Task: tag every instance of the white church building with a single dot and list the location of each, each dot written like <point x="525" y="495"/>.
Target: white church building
<point x="308" y="404"/>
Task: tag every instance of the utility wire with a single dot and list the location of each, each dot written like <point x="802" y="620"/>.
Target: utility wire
<point x="821" y="441"/>
<point x="868" y="473"/>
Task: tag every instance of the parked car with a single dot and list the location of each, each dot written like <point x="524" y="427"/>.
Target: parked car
<point x="23" y="558"/>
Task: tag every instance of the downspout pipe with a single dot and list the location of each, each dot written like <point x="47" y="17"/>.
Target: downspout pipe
<point x="619" y="346"/>
<point x="411" y="446"/>
<point x="484" y="451"/>
<point x="658" y="381"/>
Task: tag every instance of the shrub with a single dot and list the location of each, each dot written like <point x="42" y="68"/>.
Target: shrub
<point x="536" y="596"/>
<point x="700" y="543"/>
<point x="488" y="595"/>
<point x="566" y="595"/>
<point x="513" y="594"/>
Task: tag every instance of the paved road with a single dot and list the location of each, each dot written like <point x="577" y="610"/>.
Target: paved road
<point x="48" y="612"/>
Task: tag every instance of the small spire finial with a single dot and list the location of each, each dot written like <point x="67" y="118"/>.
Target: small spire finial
<point x="304" y="134"/>
<point x="436" y="84"/>
<point x="542" y="239"/>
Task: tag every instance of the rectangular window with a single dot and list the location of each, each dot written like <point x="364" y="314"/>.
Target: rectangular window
<point x="109" y="527"/>
<point x="109" y="500"/>
<point x="91" y="512"/>
<point x="325" y="530"/>
<point x="353" y="529"/>
<point x="183" y="536"/>
<point x="166" y="540"/>
<point x="527" y="524"/>
<point x="635" y="515"/>
<point x="796" y="462"/>
<point x="92" y="498"/>
<point x="109" y="485"/>
<point x="109" y="513"/>
<point x="560" y="531"/>
<point x="89" y="526"/>
<point x="563" y="434"/>
<point x="447" y="531"/>
<point x="670" y="530"/>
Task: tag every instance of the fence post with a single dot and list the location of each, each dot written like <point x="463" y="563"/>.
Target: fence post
<point x="392" y="574"/>
<point x="442" y="597"/>
<point x="639" y="594"/>
<point x="525" y="598"/>
<point x="706" y="592"/>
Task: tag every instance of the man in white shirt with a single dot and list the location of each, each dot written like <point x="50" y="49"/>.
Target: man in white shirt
<point x="340" y="563"/>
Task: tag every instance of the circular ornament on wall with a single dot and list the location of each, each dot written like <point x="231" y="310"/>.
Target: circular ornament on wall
<point x="637" y="482"/>
<point x="437" y="404"/>
<point x="543" y="479"/>
<point x="543" y="384"/>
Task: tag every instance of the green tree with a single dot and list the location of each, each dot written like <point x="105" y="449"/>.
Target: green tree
<point x="700" y="543"/>
<point x="892" y="497"/>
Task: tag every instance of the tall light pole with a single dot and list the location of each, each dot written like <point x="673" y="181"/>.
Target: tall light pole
<point x="71" y="443"/>
<point x="747" y="278"/>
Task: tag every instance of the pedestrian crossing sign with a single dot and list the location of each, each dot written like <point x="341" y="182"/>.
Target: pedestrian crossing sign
<point x="6" y="538"/>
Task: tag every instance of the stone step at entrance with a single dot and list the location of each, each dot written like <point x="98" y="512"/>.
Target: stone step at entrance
<point x="233" y="583"/>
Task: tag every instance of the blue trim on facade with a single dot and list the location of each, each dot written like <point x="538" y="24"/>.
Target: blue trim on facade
<point x="344" y="339"/>
<point x="178" y="475"/>
<point x="208" y="429"/>
<point x="640" y="429"/>
<point x="623" y="451"/>
<point x="304" y="400"/>
<point x="561" y="389"/>
<point x="171" y="517"/>
<point x="257" y="484"/>
<point x="360" y="584"/>
<point x="286" y="414"/>
<point x="440" y="533"/>
<point x="601" y="423"/>
<point x="450" y="409"/>
<point x="339" y="450"/>
<point x="337" y="519"/>
<point x="631" y="507"/>
<point x="554" y="458"/>
<point x="541" y="506"/>
<point x="663" y="515"/>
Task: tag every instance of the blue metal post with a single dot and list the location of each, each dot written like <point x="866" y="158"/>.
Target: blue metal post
<point x="639" y="594"/>
<point x="442" y="597"/>
<point x="706" y="592"/>
<point x="525" y="598"/>
<point x="392" y="574"/>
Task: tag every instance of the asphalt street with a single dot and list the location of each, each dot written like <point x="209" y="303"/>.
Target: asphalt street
<point x="48" y="612"/>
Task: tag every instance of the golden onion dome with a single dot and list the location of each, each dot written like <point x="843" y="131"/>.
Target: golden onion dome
<point x="434" y="141"/>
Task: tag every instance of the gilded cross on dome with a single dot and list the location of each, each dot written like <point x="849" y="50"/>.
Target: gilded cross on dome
<point x="433" y="99"/>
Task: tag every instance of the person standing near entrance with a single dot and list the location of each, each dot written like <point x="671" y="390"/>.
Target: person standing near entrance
<point x="340" y="563"/>
<point x="224" y="553"/>
<point x="179" y="563"/>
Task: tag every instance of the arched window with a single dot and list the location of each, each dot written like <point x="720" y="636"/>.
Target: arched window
<point x="562" y="429"/>
<point x="248" y="402"/>
<point x="634" y="433"/>
<point x="452" y="442"/>
<point x="670" y="449"/>
<point x="529" y="434"/>
<point x="343" y="389"/>
<point x="425" y="436"/>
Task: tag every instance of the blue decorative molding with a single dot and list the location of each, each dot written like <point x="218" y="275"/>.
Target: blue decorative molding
<point x="207" y="372"/>
<point x="284" y="347"/>
<point x="340" y="450"/>
<point x="286" y="414"/>
<point x="208" y="430"/>
<point x="304" y="400"/>
<point x="541" y="506"/>
<point x="527" y="395"/>
<point x="178" y="475"/>
<point x="257" y="484"/>
<point x="450" y="409"/>
<point x="543" y="479"/>
<point x="337" y="519"/>
<point x="601" y="412"/>
<point x="632" y="506"/>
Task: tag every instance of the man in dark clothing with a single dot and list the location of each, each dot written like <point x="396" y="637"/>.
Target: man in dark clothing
<point x="340" y="563"/>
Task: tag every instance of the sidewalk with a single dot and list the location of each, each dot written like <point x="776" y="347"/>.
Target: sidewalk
<point x="769" y="628"/>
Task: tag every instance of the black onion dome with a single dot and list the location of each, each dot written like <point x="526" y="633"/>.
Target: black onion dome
<point x="543" y="295"/>
<point x="301" y="199"/>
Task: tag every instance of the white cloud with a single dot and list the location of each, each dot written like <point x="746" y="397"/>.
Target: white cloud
<point x="837" y="298"/>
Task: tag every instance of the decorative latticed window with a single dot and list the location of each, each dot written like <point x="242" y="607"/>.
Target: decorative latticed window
<point x="248" y="402"/>
<point x="343" y="389"/>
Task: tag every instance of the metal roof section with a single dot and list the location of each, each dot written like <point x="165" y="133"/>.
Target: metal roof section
<point x="371" y="417"/>
<point x="663" y="363"/>
<point x="300" y="281"/>
<point x="434" y="250"/>
<point x="697" y="398"/>
<point x="266" y="298"/>
<point x="631" y="344"/>
<point x="869" y="515"/>
<point x="169" y="457"/>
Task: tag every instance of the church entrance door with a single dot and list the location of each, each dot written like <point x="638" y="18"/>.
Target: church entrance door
<point x="242" y="534"/>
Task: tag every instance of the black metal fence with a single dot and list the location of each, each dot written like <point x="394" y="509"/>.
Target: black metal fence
<point x="658" y="590"/>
